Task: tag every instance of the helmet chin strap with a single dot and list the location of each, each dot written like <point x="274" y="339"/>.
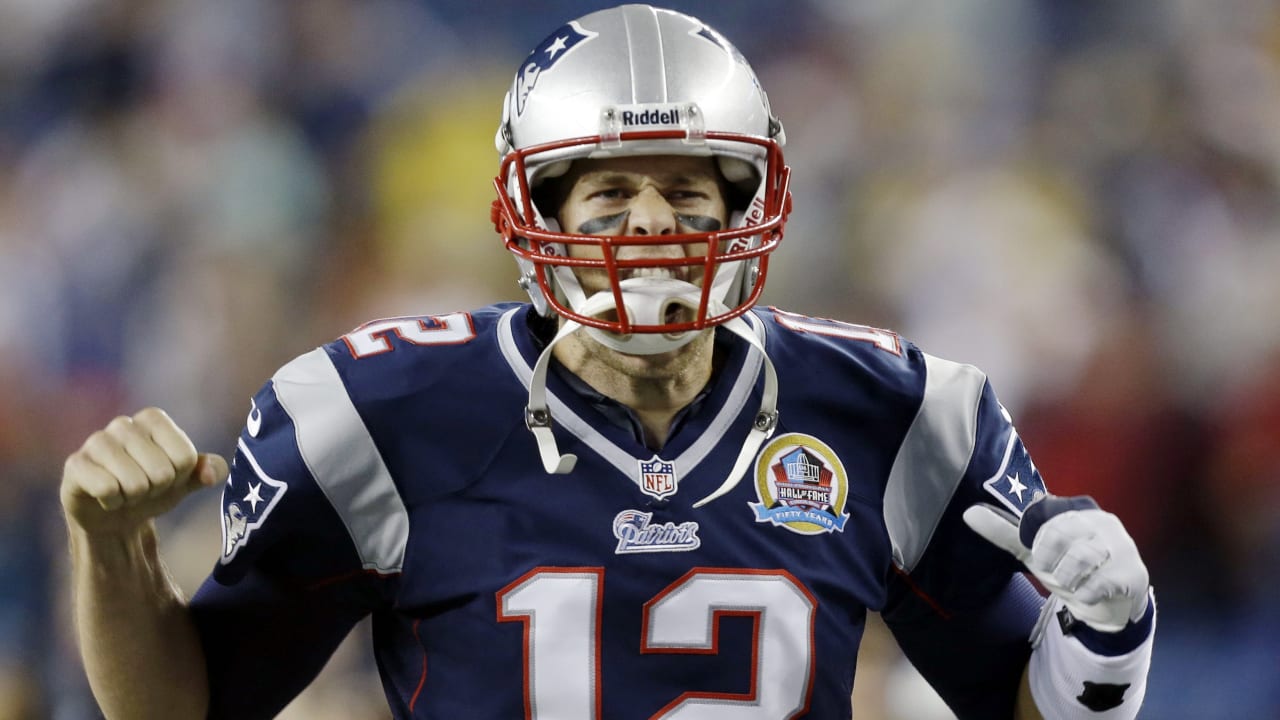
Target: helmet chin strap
<point x="538" y="416"/>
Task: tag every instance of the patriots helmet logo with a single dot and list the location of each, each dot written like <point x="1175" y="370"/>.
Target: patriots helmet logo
<point x="234" y="524"/>
<point x="247" y="499"/>
<point x="548" y="53"/>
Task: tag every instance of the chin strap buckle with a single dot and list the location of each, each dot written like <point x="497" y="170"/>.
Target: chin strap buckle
<point x="538" y="418"/>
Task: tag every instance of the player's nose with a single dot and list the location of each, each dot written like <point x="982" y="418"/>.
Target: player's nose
<point x="651" y="214"/>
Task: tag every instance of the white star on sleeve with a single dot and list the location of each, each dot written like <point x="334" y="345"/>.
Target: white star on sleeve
<point x="1015" y="485"/>
<point x="556" y="47"/>
<point x="253" y="498"/>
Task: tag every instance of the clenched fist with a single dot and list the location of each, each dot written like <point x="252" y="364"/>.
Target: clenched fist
<point x="133" y="470"/>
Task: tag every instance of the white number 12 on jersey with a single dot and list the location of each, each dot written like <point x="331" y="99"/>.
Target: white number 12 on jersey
<point x="371" y="338"/>
<point x="562" y="608"/>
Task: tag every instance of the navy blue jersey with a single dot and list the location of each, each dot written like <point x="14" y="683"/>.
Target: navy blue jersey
<point x="391" y="474"/>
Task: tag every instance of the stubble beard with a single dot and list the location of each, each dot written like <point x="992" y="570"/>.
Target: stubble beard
<point x="661" y="381"/>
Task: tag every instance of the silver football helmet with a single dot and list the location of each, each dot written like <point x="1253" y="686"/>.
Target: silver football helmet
<point x="638" y="80"/>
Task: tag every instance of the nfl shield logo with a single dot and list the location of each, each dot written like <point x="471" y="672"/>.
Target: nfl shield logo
<point x="658" y="477"/>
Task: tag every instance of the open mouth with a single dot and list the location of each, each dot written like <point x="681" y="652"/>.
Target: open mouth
<point x="677" y="313"/>
<point x="680" y="273"/>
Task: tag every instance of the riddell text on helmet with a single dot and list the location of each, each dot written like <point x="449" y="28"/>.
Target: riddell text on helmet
<point x="651" y="117"/>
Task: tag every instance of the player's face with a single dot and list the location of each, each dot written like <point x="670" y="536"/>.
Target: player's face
<point x="638" y="196"/>
<point x="642" y="196"/>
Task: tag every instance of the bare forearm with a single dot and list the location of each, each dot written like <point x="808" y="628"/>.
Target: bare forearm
<point x="140" y="649"/>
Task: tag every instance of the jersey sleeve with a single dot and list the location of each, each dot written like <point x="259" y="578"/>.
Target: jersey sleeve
<point x="301" y="561"/>
<point x="961" y="609"/>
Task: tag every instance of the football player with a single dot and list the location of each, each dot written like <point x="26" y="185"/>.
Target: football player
<point x="636" y="496"/>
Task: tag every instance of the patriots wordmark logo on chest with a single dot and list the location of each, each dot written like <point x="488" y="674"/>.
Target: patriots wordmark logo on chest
<point x="658" y="478"/>
<point x="802" y="486"/>
<point x="636" y="534"/>
<point x="556" y="46"/>
<point x="247" y="500"/>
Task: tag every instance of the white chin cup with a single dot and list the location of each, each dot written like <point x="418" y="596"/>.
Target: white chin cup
<point x="646" y="300"/>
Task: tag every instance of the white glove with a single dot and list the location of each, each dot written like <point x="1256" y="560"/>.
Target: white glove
<point x="1079" y="552"/>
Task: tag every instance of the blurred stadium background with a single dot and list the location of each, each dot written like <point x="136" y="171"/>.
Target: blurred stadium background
<point x="1080" y="197"/>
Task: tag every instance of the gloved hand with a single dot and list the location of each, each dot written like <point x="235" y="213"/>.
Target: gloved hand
<point x="1079" y="552"/>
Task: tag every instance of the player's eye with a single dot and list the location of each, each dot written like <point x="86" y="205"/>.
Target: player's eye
<point x="609" y="194"/>
<point x="685" y="196"/>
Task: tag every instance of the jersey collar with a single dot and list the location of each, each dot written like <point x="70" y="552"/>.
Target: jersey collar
<point x="726" y="400"/>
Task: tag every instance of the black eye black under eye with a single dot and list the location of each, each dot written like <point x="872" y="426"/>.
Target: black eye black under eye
<point x="602" y="223"/>
<point x="701" y="223"/>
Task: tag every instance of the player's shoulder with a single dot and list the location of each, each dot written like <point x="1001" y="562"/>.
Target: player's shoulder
<point x="418" y="338"/>
<point x="402" y="354"/>
<point x="859" y="354"/>
<point x="400" y="393"/>
<point x="826" y="343"/>
<point x="449" y="362"/>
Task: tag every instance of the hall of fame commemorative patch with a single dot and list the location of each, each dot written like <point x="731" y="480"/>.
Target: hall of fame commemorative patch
<point x="802" y="486"/>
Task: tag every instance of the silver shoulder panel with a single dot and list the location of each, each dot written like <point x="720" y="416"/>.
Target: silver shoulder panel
<point x="343" y="460"/>
<point x="933" y="457"/>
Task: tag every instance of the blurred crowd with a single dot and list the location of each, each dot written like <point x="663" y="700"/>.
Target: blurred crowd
<point x="1082" y="198"/>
